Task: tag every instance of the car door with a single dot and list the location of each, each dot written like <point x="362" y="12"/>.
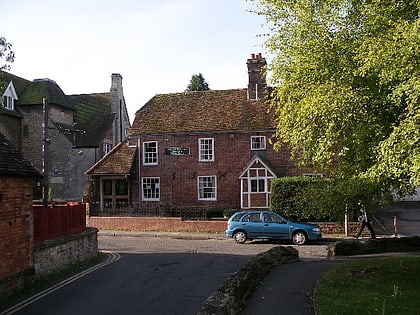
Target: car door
<point x="275" y="227"/>
<point x="253" y="225"/>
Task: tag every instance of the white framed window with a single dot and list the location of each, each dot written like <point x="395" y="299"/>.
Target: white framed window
<point x="258" y="185"/>
<point x="8" y="102"/>
<point x="150" y="188"/>
<point x="150" y="153"/>
<point x="206" y="149"/>
<point x="258" y="143"/>
<point x="207" y="189"/>
<point x="107" y="147"/>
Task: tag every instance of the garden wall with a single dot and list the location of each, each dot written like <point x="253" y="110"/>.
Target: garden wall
<point x="179" y="225"/>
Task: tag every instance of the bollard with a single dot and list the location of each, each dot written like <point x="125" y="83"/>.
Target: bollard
<point x="395" y="226"/>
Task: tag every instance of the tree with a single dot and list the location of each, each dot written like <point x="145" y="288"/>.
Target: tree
<point x="6" y="53"/>
<point x="347" y="77"/>
<point x="198" y="83"/>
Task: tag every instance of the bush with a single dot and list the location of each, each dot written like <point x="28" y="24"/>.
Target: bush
<point x="315" y="199"/>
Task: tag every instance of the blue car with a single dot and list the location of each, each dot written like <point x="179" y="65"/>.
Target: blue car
<point x="248" y="225"/>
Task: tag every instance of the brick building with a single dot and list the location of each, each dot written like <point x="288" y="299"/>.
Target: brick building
<point x="201" y="149"/>
<point x="17" y="180"/>
<point x="81" y="129"/>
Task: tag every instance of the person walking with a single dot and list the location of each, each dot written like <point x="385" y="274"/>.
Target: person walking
<point x="364" y="220"/>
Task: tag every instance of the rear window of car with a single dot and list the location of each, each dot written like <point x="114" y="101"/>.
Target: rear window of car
<point x="237" y="216"/>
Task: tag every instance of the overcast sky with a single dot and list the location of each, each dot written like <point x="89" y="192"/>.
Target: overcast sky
<point x="156" y="45"/>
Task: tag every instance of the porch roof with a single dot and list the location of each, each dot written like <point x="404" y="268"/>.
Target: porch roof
<point x="119" y="161"/>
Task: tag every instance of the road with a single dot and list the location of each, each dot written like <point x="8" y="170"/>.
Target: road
<point x="154" y="275"/>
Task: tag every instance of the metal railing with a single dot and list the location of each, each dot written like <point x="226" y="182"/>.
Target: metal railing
<point x="153" y="210"/>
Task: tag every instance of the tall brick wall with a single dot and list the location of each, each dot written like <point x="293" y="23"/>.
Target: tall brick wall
<point x="16" y="231"/>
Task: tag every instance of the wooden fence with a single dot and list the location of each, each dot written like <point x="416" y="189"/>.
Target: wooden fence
<point x="58" y="220"/>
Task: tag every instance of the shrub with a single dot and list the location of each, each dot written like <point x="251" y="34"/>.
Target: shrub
<point x="306" y="198"/>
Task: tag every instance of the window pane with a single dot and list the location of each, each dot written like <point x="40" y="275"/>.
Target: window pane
<point x="257" y="143"/>
<point x="151" y="188"/>
<point x="206" y="149"/>
<point x="121" y="187"/>
<point x="257" y="185"/>
<point x="207" y="188"/>
<point x="107" y="187"/>
<point x="150" y="152"/>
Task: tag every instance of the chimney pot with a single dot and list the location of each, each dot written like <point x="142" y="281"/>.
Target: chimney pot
<point x="252" y="56"/>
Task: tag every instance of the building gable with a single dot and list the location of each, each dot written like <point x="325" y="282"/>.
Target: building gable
<point x="93" y="115"/>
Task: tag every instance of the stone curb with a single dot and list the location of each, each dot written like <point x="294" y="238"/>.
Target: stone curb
<point x="350" y="247"/>
<point x="231" y="297"/>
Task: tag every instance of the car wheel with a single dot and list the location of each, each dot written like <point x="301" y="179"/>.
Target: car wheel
<point x="240" y="237"/>
<point x="299" y="238"/>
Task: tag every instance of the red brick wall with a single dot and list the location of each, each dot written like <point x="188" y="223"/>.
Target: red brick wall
<point x="178" y="174"/>
<point x="16" y="227"/>
<point x="156" y="224"/>
<point x="179" y="225"/>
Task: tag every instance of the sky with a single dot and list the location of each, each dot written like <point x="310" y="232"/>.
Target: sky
<point x="156" y="45"/>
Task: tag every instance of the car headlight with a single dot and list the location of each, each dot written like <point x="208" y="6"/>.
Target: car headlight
<point x="316" y="229"/>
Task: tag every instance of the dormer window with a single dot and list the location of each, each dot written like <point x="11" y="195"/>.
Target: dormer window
<point x="9" y="97"/>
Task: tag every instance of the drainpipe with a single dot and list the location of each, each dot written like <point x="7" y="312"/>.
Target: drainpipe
<point x="139" y="163"/>
<point x="46" y="141"/>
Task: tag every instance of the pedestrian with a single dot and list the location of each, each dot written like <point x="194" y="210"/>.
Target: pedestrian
<point x="364" y="220"/>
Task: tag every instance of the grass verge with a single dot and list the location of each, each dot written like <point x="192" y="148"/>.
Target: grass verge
<point x="376" y="286"/>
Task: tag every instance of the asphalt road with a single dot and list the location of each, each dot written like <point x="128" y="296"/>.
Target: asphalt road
<point x="154" y="275"/>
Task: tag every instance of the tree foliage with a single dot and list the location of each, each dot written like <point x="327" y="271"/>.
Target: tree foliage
<point x="7" y="56"/>
<point x="198" y="83"/>
<point x="347" y="77"/>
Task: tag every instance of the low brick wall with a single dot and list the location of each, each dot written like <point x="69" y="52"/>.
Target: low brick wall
<point x="56" y="254"/>
<point x="157" y="224"/>
<point x="179" y="225"/>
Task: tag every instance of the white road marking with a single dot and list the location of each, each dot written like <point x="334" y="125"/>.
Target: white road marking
<point x="112" y="257"/>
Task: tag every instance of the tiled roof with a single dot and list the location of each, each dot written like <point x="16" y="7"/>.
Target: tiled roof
<point x="12" y="162"/>
<point x="43" y="88"/>
<point x="202" y="111"/>
<point x="93" y="115"/>
<point x="20" y="84"/>
<point x="118" y="161"/>
<point x="33" y="92"/>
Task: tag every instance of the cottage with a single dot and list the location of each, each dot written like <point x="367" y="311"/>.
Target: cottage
<point x="203" y="149"/>
<point x="62" y="135"/>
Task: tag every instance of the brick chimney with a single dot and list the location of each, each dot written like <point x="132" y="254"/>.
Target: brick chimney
<point x="256" y="72"/>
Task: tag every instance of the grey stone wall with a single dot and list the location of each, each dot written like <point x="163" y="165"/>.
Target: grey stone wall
<point x="54" y="255"/>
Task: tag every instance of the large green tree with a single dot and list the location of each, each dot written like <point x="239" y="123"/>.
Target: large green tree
<point x="347" y="78"/>
<point x="198" y="83"/>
